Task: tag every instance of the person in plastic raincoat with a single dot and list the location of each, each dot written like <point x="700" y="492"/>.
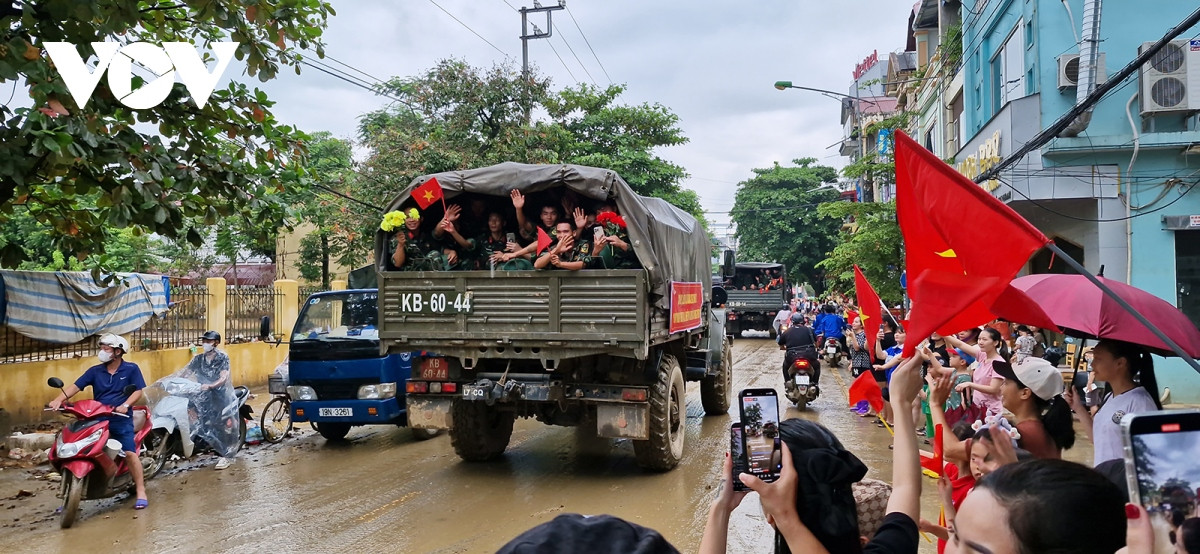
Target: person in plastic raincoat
<point x="211" y="370"/>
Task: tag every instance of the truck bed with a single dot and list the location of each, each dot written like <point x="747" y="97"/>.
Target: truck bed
<point x="517" y="314"/>
<point x="753" y="300"/>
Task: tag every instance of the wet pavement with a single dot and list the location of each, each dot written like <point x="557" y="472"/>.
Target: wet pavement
<point x="384" y="491"/>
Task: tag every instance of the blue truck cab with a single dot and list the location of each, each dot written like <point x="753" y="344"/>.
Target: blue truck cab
<point x="336" y="375"/>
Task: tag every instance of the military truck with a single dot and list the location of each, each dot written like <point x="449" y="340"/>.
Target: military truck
<point x="756" y="292"/>
<point x="604" y="350"/>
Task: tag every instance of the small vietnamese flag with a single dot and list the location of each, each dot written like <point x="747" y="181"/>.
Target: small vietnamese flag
<point x="428" y="193"/>
<point x="544" y="241"/>
<point x="865" y="388"/>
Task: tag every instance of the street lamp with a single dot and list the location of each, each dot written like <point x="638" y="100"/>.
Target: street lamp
<point x="784" y="85"/>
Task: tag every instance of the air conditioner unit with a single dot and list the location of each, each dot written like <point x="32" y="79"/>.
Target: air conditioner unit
<point x="1068" y="70"/>
<point x="1170" y="80"/>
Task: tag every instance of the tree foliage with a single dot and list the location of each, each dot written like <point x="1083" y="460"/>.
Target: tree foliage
<point x="86" y="172"/>
<point x="872" y="240"/>
<point x="456" y="116"/>
<point x="331" y="167"/>
<point x="777" y="220"/>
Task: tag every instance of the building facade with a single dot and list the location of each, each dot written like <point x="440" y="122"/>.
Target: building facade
<point x="1115" y="190"/>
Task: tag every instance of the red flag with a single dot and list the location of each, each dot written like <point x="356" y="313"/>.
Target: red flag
<point x="951" y="228"/>
<point x="865" y="388"/>
<point x="544" y="241"/>
<point x="428" y="193"/>
<point x="869" y="306"/>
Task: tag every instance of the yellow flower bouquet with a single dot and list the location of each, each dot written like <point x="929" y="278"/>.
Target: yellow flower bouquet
<point x="395" y="219"/>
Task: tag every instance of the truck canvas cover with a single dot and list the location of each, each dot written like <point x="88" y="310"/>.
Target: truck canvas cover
<point x="669" y="242"/>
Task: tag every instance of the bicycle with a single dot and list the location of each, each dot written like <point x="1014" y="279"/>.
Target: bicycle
<point x="276" y="420"/>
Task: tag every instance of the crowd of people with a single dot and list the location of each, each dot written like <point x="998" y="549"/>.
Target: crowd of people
<point x="483" y="232"/>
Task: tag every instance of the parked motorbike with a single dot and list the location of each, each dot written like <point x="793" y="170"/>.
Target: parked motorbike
<point x="801" y="388"/>
<point x="92" y="463"/>
<point x="832" y="351"/>
<point x="184" y="420"/>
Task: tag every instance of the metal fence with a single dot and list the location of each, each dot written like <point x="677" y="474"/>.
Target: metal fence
<point x="306" y="291"/>
<point x="15" y="347"/>
<point x="244" y="309"/>
<point x="181" y="326"/>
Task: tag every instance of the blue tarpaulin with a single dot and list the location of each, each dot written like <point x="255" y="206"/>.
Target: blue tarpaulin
<point x="68" y="306"/>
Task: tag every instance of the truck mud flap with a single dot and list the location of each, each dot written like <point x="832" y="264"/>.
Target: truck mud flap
<point x="429" y="413"/>
<point x="623" y="421"/>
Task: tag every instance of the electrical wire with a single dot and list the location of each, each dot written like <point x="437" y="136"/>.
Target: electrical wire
<point x="467" y="27"/>
<point x="588" y="43"/>
<point x="1182" y="194"/>
<point x="585" y="69"/>
<point x="555" y="50"/>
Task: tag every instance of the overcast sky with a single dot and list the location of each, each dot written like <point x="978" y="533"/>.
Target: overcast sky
<point x="710" y="63"/>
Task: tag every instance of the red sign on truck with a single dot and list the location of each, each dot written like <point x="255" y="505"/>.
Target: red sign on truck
<point x="687" y="306"/>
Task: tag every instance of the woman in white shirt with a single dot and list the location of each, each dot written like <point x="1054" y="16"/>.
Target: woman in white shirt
<point x="1129" y="371"/>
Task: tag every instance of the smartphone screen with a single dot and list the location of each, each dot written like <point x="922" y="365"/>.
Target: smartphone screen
<point x="738" y="454"/>
<point x="1161" y="449"/>
<point x="760" y="433"/>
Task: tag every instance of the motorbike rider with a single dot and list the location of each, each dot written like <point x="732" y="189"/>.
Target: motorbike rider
<point x="799" y="342"/>
<point x="830" y="325"/>
<point x="782" y="317"/>
<point x="108" y="380"/>
<point x="211" y="369"/>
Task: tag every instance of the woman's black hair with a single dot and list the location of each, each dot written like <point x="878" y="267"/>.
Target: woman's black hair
<point x="972" y="334"/>
<point x="1055" y="415"/>
<point x="1141" y="366"/>
<point x="1189" y="534"/>
<point x="824" y="497"/>
<point x="1001" y="346"/>
<point x="1046" y="500"/>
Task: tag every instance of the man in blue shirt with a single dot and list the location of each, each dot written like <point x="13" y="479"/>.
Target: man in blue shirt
<point x="108" y="380"/>
<point x="830" y="325"/>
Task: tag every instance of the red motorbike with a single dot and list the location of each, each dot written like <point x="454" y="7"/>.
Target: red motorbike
<point x="92" y="463"/>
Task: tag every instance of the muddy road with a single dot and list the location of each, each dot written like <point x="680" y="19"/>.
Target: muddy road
<point x="383" y="491"/>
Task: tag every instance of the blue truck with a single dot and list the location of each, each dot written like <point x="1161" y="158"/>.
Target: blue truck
<point x="337" y="378"/>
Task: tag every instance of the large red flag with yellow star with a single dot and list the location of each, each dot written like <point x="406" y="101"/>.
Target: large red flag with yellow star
<point x="870" y="309"/>
<point x="428" y="193"/>
<point x="962" y="246"/>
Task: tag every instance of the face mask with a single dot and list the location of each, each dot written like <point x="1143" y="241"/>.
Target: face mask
<point x="104" y="356"/>
<point x="207" y="347"/>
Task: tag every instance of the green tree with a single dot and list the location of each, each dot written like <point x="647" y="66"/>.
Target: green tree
<point x="776" y="217"/>
<point x="458" y="117"/>
<point x="230" y="157"/>
<point x="330" y="166"/>
<point x="870" y="238"/>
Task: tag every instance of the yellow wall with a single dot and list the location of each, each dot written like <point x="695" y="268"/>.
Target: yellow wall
<point x="23" y="391"/>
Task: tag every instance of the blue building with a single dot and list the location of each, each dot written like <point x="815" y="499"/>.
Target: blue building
<point x="1117" y="193"/>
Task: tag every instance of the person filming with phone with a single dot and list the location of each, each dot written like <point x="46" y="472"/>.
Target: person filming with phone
<point x="799" y="342"/>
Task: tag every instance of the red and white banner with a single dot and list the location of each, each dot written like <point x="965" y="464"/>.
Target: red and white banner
<point x="687" y="306"/>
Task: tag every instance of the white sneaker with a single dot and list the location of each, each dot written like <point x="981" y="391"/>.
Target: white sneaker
<point x="222" y="463"/>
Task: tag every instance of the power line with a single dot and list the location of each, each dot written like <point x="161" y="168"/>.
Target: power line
<point x="347" y="196"/>
<point x="585" y="69"/>
<point x="358" y="83"/>
<point x="555" y="50"/>
<point x="348" y="66"/>
<point x="589" y="45"/>
<point x="467" y="27"/>
<point x="1182" y="194"/>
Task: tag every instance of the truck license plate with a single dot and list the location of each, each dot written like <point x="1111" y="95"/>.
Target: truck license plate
<point x="335" y="412"/>
<point x="435" y="369"/>
<point x="431" y="302"/>
<point x="474" y="392"/>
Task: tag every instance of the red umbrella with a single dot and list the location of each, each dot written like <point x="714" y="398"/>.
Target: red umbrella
<point x="1082" y="310"/>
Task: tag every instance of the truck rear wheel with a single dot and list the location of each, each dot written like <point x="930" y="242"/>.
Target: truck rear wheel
<point x="714" y="390"/>
<point x="664" y="449"/>
<point x="479" y="433"/>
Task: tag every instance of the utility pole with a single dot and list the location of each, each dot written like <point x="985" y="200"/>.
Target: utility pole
<point x="537" y="33"/>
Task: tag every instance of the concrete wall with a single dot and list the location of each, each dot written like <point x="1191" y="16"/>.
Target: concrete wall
<point x="25" y="391"/>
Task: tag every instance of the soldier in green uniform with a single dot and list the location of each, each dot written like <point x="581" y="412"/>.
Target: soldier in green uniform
<point x="612" y="251"/>
<point x="566" y="254"/>
<point x="417" y="251"/>
<point x="492" y="248"/>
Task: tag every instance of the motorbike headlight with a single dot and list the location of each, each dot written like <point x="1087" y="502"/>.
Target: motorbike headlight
<point x="70" y="449"/>
<point x="302" y="392"/>
<point x="381" y="391"/>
